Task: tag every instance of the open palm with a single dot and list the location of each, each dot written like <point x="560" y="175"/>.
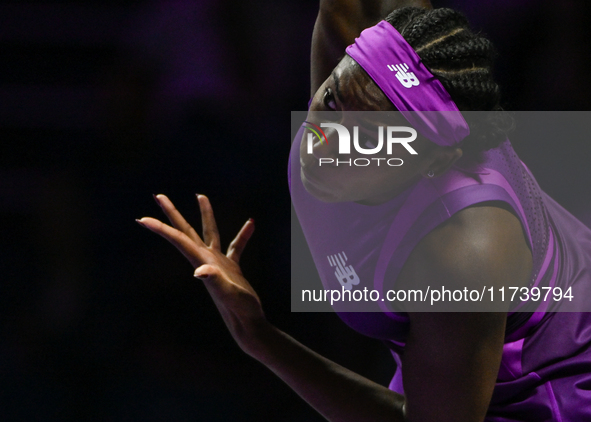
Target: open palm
<point x="234" y="297"/>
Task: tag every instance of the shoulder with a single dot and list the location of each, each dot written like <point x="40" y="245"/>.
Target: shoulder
<point x="482" y="245"/>
<point x="460" y="353"/>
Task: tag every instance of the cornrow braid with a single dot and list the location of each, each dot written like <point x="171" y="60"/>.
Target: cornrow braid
<point x="462" y="61"/>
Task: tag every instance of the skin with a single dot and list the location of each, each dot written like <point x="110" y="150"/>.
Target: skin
<point x="348" y="89"/>
<point x="451" y="360"/>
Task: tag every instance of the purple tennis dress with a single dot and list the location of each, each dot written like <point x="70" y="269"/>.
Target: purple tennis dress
<point x="545" y="372"/>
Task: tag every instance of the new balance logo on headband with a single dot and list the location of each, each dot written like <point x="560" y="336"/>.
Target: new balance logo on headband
<point x="407" y="79"/>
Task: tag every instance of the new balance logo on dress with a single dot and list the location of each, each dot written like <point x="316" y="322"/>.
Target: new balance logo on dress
<point x="406" y="78"/>
<point x="345" y="274"/>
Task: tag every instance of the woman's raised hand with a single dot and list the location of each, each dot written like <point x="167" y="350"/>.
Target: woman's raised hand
<point x="234" y="297"/>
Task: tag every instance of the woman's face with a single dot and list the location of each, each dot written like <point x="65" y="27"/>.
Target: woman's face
<point x="349" y="89"/>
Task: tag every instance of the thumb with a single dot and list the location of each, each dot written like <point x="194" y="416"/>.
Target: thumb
<point x="223" y="291"/>
<point x="214" y="281"/>
<point x="206" y="272"/>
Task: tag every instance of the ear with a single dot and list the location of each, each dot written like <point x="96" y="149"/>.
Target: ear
<point x="443" y="159"/>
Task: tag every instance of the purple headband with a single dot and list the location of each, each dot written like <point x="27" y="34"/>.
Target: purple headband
<point x="397" y="69"/>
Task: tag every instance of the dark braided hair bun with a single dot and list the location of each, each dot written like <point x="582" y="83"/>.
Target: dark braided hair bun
<point x="462" y="61"/>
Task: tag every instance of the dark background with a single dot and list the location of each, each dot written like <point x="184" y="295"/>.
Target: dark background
<point x="103" y="103"/>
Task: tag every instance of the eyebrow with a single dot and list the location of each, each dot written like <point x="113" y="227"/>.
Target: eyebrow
<point x="336" y="84"/>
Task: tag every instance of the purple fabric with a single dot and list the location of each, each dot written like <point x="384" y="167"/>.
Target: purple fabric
<point x="397" y="69"/>
<point x="545" y="372"/>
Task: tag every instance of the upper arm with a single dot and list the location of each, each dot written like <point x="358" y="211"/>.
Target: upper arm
<point x="338" y="23"/>
<point x="450" y="365"/>
<point x="451" y="360"/>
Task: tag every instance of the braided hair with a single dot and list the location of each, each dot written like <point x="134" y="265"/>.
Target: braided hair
<point x="462" y="61"/>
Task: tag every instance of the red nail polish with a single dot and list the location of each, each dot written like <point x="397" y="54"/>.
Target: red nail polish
<point x="251" y="220"/>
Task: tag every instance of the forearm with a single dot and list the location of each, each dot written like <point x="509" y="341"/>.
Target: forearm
<point x="337" y="393"/>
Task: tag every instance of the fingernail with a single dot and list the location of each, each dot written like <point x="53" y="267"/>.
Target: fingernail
<point x="251" y="220"/>
<point x="201" y="276"/>
<point x="140" y="223"/>
<point x="156" y="199"/>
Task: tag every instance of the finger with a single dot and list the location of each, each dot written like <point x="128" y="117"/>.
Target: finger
<point x="239" y="243"/>
<point x="176" y="219"/>
<point x="228" y="296"/>
<point x="179" y="239"/>
<point x="219" y="286"/>
<point x="211" y="236"/>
